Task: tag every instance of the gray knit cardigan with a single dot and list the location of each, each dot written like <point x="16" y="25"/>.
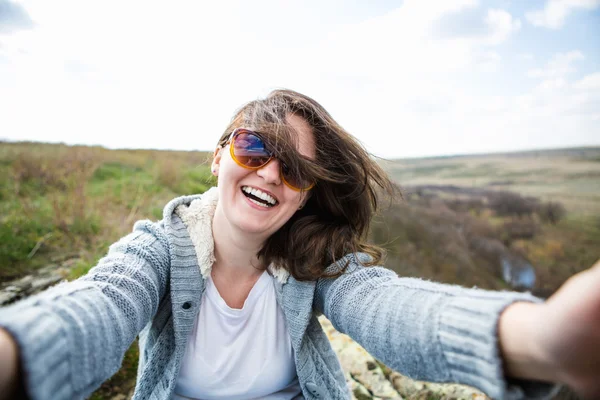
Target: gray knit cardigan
<point x="73" y="336"/>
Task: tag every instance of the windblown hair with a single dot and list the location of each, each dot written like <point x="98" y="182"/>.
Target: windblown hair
<point x="335" y="220"/>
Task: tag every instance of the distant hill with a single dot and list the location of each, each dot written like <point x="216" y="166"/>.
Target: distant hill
<point x="571" y="176"/>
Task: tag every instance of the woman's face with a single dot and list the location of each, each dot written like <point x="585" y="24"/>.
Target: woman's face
<point x="234" y="181"/>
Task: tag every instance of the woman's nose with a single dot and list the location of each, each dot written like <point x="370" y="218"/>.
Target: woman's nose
<point x="270" y="172"/>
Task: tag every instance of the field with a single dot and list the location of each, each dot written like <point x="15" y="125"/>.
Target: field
<point x="460" y="219"/>
<point x="61" y="202"/>
<point x="569" y="176"/>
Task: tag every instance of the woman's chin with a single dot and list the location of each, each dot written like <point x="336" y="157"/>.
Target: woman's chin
<point x="255" y="228"/>
<point x="255" y="224"/>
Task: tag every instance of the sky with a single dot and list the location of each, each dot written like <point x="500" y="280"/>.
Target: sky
<point x="408" y="78"/>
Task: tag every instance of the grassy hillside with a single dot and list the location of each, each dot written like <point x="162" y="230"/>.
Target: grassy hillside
<point x="63" y="202"/>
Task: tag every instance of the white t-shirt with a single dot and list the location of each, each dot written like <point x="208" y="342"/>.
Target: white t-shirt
<point x="239" y="353"/>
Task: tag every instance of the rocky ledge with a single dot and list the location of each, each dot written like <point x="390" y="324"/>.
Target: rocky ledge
<point x="32" y="284"/>
<point x="368" y="379"/>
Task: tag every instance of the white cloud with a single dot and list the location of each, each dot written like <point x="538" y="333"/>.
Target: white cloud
<point x="559" y="66"/>
<point x="488" y="61"/>
<point x="552" y="84"/>
<point x="555" y="12"/>
<point x="527" y="56"/>
<point x="588" y="82"/>
<point x="501" y="24"/>
<point x="558" y="97"/>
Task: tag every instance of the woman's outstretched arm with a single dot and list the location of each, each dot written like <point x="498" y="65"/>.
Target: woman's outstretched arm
<point x="425" y="330"/>
<point x="73" y="336"/>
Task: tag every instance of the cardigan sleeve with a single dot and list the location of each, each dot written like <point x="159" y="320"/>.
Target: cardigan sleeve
<point x="427" y="331"/>
<point x="73" y="336"/>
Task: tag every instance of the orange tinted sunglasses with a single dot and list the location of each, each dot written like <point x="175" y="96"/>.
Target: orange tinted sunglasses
<point x="250" y="151"/>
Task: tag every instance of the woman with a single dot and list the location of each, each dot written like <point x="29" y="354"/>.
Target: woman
<point x="225" y="290"/>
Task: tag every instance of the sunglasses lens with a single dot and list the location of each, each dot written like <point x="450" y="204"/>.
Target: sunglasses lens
<point x="250" y="150"/>
<point x="295" y="179"/>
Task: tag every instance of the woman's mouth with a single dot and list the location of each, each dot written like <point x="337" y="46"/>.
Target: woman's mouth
<point x="259" y="197"/>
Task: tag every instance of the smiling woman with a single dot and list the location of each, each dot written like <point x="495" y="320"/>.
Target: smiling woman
<point x="224" y="291"/>
<point x="309" y="226"/>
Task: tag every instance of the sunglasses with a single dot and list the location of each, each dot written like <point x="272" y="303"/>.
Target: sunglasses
<point x="250" y="151"/>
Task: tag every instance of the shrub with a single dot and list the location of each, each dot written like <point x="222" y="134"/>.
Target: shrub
<point x="477" y="227"/>
<point x="465" y="205"/>
<point x="551" y="212"/>
<point x="508" y="203"/>
<point x="489" y="251"/>
<point x="518" y="228"/>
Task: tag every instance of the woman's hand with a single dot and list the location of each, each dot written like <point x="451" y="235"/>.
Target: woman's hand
<point x="570" y="332"/>
<point x="559" y="340"/>
<point x="9" y="366"/>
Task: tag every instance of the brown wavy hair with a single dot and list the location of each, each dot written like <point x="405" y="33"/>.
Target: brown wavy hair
<point x="335" y="220"/>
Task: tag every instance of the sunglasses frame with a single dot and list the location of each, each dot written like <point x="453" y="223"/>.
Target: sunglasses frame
<point x="230" y="141"/>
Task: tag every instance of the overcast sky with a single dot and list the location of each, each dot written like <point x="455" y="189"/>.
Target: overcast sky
<point x="408" y="78"/>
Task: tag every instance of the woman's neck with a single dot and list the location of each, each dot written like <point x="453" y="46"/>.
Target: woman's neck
<point x="235" y="251"/>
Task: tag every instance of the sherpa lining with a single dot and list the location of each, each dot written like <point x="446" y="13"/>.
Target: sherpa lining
<point x="198" y="217"/>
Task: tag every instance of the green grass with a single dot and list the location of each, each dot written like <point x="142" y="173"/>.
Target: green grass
<point x="58" y="199"/>
<point x="114" y="171"/>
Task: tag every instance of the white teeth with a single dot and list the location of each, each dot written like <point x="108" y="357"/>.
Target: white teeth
<point x="258" y="203"/>
<point x="260" y="194"/>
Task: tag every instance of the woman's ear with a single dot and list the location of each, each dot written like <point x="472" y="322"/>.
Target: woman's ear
<point x="214" y="167"/>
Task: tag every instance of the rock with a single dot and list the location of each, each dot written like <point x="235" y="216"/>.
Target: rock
<point x="45" y="282"/>
<point x="364" y="369"/>
<point x="7" y="297"/>
<point x="31" y="284"/>
<point x="63" y="257"/>
<point x="70" y="263"/>
<point x="48" y="269"/>
<point x="367" y="379"/>
<point x="24" y="283"/>
<point x="425" y="390"/>
<point x="360" y="366"/>
<point x="359" y="392"/>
